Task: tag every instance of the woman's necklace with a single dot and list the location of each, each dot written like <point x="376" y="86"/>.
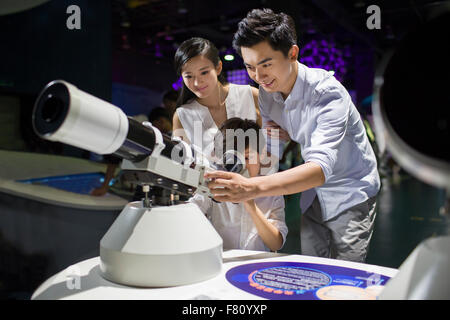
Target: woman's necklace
<point x="219" y="113"/>
<point x="221" y="104"/>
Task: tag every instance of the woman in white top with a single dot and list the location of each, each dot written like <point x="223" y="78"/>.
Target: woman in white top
<point x="206" y="99"/>
<point x="204" y="103"/>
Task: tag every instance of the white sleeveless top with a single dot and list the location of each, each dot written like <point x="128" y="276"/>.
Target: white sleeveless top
<point x="198" y="124"/>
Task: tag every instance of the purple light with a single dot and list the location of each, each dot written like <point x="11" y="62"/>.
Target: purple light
<point x="177" y="84"/>
<point x="239" y="76"/>
<point x="158" y="52"/>
<point x="324" y="54"/>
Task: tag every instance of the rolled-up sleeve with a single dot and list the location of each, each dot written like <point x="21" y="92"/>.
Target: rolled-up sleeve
<point x="330" y="129"/>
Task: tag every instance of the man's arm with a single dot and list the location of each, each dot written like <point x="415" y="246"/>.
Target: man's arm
<point x="228" y="186"/>
<point x="320" y="157"/>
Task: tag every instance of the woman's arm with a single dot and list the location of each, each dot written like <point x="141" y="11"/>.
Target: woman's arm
<point x="269" y="234"/>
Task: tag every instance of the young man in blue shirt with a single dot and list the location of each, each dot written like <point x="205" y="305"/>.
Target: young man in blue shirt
<point x="339" y="180"/>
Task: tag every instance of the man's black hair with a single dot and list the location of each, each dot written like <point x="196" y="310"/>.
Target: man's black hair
<point x="265" y="25"/>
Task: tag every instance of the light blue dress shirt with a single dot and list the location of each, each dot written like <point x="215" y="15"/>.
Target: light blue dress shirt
<point x="320" y="115"/>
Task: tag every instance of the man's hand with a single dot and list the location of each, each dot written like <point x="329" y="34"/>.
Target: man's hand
<point x="229" y="186"/>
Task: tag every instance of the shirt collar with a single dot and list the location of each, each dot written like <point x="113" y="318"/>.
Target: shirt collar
<point x="278" y="97"/>
<point x="296" y="94"/>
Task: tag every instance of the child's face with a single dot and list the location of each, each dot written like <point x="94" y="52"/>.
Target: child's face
<point x="200" y="75"/>
<point x="270" y="68"/>
<point x="252" y="162"/>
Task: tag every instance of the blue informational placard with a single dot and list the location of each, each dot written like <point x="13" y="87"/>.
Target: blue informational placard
<point x="306" y="281"/>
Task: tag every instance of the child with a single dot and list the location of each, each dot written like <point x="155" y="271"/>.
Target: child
<point x="256" y="224"/>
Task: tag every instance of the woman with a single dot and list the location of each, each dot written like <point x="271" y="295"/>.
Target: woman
<point x="206" y="99"/>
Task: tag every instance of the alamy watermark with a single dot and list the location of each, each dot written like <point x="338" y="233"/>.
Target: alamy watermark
<point x="374" y="20"/>
<point x="73" y="22"/>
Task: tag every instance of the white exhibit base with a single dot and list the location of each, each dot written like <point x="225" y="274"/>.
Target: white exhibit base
<point x="424" y="274"/>
<point x="160" y="247"/>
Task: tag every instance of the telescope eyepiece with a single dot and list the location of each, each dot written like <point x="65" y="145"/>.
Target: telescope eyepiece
<point x="51" y="108"/>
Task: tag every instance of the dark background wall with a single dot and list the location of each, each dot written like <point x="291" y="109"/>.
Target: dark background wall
<point x="38" y="47"/>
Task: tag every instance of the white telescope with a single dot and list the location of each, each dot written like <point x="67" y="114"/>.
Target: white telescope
<point x="147" y="245"/>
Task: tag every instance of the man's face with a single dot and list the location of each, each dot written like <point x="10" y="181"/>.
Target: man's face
<point x="271" y="69"/>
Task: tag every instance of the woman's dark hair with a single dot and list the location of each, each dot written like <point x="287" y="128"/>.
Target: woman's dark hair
<point x="265" y="25"/>
<point x="189" y="49"/>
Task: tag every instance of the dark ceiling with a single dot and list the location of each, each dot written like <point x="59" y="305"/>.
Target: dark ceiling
<point x="157" y="27"/>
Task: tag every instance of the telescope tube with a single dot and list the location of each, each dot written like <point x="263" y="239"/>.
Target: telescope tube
<point x="66" y="114"/>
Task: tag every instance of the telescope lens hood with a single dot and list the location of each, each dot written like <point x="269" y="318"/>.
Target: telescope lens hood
<point x="51" y="108"/>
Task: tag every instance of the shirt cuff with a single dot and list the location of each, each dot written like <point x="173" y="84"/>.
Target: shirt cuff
<point x="324" y="161"/>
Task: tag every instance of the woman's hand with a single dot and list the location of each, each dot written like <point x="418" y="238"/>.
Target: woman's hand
<point x="276" y="132"/>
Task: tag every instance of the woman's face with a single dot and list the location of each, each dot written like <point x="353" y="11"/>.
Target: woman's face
<point x="200" y="75"/>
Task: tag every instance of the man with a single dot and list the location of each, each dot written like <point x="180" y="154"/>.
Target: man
<point x="339" y="180"/>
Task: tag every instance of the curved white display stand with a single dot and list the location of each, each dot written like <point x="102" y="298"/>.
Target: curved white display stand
<point x="160" y="246"/>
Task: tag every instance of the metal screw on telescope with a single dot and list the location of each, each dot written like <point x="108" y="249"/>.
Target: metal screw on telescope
<point x="146" y="190"/>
